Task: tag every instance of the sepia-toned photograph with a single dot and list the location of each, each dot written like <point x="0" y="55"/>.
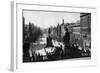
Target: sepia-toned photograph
<point x="55" y="35"/>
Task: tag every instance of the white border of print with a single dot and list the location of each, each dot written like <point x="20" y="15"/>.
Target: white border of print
<point x="17" y="63"/>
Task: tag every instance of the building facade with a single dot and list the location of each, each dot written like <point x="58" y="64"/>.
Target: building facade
<point x="85" y="23"/>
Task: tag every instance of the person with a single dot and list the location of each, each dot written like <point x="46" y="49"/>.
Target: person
<point x="86" y="44"/>
<point x="66" y="40"/>
<point x="49" y="39"/>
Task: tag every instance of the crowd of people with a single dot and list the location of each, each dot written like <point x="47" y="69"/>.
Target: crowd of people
<point x="53" y="52"/>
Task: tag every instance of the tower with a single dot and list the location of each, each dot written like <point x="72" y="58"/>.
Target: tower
<point x="62" y="21"/>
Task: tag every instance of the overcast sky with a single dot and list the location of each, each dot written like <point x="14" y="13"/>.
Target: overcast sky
<point x="46" y="19"/>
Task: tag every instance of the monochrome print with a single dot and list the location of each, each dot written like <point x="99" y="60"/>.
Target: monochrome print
<point x="55" y="35"/>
